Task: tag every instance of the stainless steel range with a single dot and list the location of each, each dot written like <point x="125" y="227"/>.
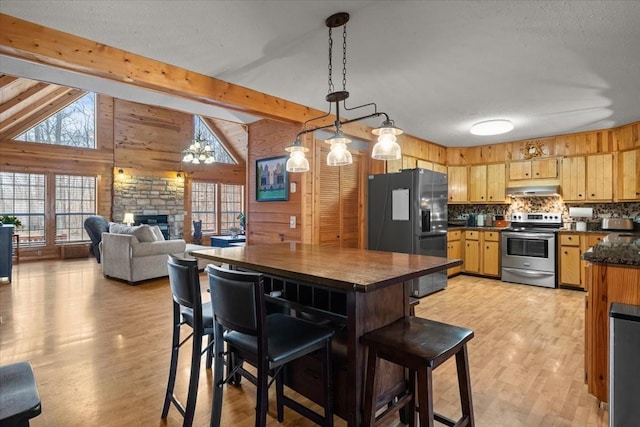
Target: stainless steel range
<point x="529" y="248"/>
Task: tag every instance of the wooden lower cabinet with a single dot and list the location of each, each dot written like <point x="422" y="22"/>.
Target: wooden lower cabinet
<point x="482" y="252"/>
<point x="454" y="250"/>
<point x="491" y="255"/>
<point x="605" y="284"/>
<point x="571" y="248"/>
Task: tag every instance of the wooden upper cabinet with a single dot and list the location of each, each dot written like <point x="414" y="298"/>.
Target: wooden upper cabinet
<point x="574" y="185"/>
<point x="600" y="177"/>
<point x="478" y="184"/>
<point x="533" y="169"/>
<point x="544" y="168"/>
<point x="457" y="176"/>
<point x="519" y="170"/>
<point x="496" y="183"/>
<point x="628" y="175"/>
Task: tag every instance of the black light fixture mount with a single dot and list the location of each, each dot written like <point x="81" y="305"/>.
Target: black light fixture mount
<point x="385" y="149"/>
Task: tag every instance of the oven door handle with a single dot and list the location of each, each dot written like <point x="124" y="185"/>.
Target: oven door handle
<point x="529" y="235"/>
<point x="530" y="273"/>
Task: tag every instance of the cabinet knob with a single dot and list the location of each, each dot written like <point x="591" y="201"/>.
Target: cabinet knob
<point x="526" y="174"/>
<point x="537" y="173"/>
<point x="566" y="253"/>
<point x="487" y="247"/>
<point x="570" y="238"/>
<point x="593" y="195"/>
<point x="580" y="195"/>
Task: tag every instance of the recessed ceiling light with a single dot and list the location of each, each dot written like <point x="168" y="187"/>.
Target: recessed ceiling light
<point x="492" y="127"/>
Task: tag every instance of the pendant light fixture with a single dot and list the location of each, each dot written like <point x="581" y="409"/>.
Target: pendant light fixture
<point x="199" y="152"/>
<point x="386" y="148"/>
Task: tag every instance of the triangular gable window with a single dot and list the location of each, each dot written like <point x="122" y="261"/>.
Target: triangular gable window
<point x="202" y="132"/>
<point x="72" y="126"/>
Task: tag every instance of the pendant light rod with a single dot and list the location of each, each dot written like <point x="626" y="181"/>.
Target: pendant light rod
<point x="337" y="124"/>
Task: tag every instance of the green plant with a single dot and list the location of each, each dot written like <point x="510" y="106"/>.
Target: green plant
<point x="6" y="219"/>
<point x="243" y="220"/>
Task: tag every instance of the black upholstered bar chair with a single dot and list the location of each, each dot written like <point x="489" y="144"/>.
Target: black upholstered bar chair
<point x="188" y="309"/>
<point x="268" y="342"/>
<point x="19" y="398"/>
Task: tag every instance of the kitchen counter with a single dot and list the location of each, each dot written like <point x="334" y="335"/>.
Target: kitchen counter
<point x="467" y="227"/>
<point x="595" y="231"/>
<point x="617" y="248"/>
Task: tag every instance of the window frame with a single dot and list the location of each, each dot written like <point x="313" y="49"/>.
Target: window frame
<point x="221" y="227"/>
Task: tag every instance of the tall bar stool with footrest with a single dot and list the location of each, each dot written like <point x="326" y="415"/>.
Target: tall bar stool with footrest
<point x="19" y="398"/>
<point x="268" y="342"/>
<point x="419" y="345"/>
<point x="188" y="309"/>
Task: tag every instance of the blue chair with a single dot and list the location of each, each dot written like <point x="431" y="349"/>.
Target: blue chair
<point x="188" y="309"/>
<point x="19" y="398"/>
<point x="267" y="342"/>
<point x="95" y="225"/>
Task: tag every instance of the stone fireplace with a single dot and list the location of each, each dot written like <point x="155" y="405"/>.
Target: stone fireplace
<point x="150" y="195"/>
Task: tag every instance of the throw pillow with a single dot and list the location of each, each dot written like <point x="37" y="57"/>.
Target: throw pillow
<point x="118" y="228"/>
<point x="144" y="234"/>
<point x="157" y="233"/>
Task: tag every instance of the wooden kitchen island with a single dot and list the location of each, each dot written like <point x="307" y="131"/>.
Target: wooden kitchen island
<point x="356" y="290"/>
<point x="612" y="275"/>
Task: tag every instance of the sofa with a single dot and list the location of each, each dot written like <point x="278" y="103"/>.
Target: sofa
<point x="137" y="253"/>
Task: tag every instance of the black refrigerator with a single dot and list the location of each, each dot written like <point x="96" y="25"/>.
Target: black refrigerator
<point x="407" y="212"/>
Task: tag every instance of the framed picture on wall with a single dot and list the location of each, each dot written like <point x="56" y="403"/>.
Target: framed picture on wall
<point x="272" y="179"/>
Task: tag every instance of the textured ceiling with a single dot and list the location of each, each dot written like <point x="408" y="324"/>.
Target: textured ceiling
<point x="436" y="67"/>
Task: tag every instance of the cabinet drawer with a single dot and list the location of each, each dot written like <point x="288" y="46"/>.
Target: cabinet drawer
<point x="453" y="235"/>
<point x="593" y="240"/>
<point x="471" y="235"/>
<point x="570" y="240"/>
<point x="492" y="236"/>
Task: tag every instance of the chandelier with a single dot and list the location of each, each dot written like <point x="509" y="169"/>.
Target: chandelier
<point x="386" y="148"/>
<point x="199" y="152"/>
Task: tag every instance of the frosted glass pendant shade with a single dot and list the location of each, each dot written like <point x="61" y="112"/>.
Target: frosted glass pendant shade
<point x="386" y="148"/>
<point x="339" y="155"/>
<point x="297" y="161"/>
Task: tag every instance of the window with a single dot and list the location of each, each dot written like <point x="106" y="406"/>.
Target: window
<point x="23" y="195"/>
<point x="203" y="205"/>
<point x="216" y="205"/>
<point x="75" y="201"/>
<point x="73" y="126"/>
<point x="230" y="206"/>
<point x="220" y="153"/>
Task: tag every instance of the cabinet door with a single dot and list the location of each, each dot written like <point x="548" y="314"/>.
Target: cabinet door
<point x="600" y="177"/>
<point x="454" y="250"/>
<point x="491" y="258"/>
<point x="439" y="168"/>
<point x="457" y="176"/>
<point x="544" y="168"/>
<point x="570" y="265"/>
<point x="409" y="162"/>
<point x="496" y="185"/>
<point x="478" y="184"/>
<point x="339" y="203"/>
<point x="519" y="170"/>
<point x="574" y="186"/>
<point x="472" y="256"/>
<point x="629" y="175"/>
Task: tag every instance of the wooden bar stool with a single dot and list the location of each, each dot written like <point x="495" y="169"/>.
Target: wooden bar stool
<point x="420" y="345"/>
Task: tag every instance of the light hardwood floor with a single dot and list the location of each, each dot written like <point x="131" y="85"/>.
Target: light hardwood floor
<point x="100" y="351"/>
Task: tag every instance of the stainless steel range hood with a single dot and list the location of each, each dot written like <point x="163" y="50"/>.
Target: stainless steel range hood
<point x="534" y="191"/>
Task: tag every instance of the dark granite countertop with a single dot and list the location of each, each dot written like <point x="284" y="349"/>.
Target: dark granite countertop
<point x="467" y="227"/>
<point x="616" y="248"/>
<point x="569" y="231"/>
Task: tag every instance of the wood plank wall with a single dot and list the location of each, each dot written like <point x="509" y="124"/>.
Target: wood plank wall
<point x="576" y="144"/>
<point x="268" y="222"/>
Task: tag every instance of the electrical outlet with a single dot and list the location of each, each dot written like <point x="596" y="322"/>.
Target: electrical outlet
<point x="292" y="222"/>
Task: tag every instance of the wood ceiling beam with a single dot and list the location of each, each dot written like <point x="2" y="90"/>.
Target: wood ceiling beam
<point x="6" y="79"/>
<point x="35" y="43"/>
<point x="24" y="96"/>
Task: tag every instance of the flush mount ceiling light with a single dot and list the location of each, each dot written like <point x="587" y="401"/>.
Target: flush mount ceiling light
<point x="385" y="149"/>
<point x="199" y="152"/>
<point x="492" y="127"/>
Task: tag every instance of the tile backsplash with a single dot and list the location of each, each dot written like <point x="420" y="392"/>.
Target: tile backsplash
<point x="550" y="204"/>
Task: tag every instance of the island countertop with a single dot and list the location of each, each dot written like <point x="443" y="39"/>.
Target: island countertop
<point x="618" y="249"/>
<point x="345" y="268"/>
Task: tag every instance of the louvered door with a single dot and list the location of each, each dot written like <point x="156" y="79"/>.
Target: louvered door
<point x="338" y="203"/>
